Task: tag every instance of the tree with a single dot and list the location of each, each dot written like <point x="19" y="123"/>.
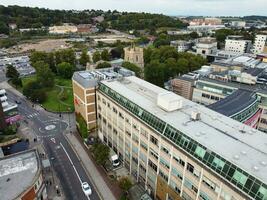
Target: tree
<point x="142" y="40"/>
<point x="44" y="74"/>
<point x="96" y="57"/>
<point x="125" y="183"/>
<point x="137" y="70"/>
<point x="103" y="65"/>
<point x="82" y="127"/>
<point x="4" y="28"/>
<point x="65" y="70"/>
<point x="155" y="73"/>
<point x="84" y="59"/>
<point x="101" y="153"/>
<point x="11" y="72"/>
<point x="34" y="91"/>
<point x="105" y="55"/>
<point x="117" y="52"/>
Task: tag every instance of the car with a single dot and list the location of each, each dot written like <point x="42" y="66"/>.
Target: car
<point x="18" y="102"/>
<point x="86" y="189"/>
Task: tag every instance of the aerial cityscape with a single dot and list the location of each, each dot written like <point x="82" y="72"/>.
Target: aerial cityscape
<point x="133" y="100"/>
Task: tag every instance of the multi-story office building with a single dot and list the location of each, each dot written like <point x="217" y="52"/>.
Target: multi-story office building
<point x="206" y="46"/>
<point x="260" y="44"/>
<point x="178" y="149"/>
<point x="181" y="45"/>
<point x="237" y="44"/>
<point x="21" y="177"/>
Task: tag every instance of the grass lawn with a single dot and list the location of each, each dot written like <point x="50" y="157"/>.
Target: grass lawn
<point x="53" y="102"/>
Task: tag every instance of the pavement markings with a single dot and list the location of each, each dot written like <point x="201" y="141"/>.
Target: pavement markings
<point x="73" y="166"/>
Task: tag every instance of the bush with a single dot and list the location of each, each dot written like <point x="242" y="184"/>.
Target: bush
<point x="125" y="183"/>
<point x="101" y="153"/>
<point x="103" y="65"/>
<point x="82" y="127"/>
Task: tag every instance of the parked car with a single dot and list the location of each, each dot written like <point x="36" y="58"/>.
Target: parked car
<point x="86" y="189"/>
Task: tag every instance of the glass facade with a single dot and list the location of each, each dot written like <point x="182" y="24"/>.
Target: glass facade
<point x="214" y="88"/>
<point x="241" y="179"/>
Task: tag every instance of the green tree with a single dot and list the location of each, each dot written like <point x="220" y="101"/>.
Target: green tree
<point x="65" y="70"/>
<point x="84" y="59"/>
<point x="82" y="127"/>
<point x="137" y="70"/>
<point x="101" y="153"/>
<point x="155" y="73"/>
<point x="125" y="183"/>
<point x="221" y="34"/>
<point x="44" y="74"/>
<point x="11" y="72"/>
<point x="4" y="28"/>
<point x="34" y="91"/>
<point x="105" y="55"/>
<point x="103" y="65"/>
<point x="96" y="56"/>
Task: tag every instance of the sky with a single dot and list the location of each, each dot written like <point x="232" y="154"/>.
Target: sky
<point x="168" y="7"/>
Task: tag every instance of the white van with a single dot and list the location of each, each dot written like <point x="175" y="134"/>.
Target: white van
<point x="114" y="158"/>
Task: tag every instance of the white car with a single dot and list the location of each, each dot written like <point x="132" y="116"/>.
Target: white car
<point x="86" y="189"/>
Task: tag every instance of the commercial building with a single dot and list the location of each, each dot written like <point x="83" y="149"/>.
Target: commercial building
<point x="178" y="149"/>
<point x="181" y="45"/>
<point x="21" y="177"/>
<point x="84" y="84"/>
<point x="183" y="86"/>
<point x="206" y="46"/>
<point x="134" y="55"/>
<point x="237" y="44"/>
<point x="9" y="109"/>
<point x="260" y="44"/>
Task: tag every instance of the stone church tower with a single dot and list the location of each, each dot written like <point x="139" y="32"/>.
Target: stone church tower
<point x="134" y="55"/>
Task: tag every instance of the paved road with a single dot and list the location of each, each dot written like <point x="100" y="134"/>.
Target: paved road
<point x="49" y="129"/>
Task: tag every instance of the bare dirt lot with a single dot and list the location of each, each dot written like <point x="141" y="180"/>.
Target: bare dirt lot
<point x="41" y="45"/>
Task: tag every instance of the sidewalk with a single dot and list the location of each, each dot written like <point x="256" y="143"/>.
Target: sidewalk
<point x="94" y="174"/>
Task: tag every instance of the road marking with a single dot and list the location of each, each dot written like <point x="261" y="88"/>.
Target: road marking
<point x="53" y="140"/>
<point x="73" y="166"/>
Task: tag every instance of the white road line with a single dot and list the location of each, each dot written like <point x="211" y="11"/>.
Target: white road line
<point x="71" y="162"/>
<point x="73" y="166"/>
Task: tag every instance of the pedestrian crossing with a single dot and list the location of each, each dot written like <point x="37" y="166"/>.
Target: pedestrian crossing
<point x="32" y="115"/>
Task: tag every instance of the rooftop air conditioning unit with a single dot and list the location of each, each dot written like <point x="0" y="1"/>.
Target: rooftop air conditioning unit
<point x="195" y="115"/>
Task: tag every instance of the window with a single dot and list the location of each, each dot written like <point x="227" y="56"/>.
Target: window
<point x="218" y="163"/>
<point x="115" y="110"/>
<point x="152" y="165"/>
<point x="190" y="167"/>
<point x="164" y="163"/>
<point x="154" y="140"/>
<point x="240" y="178"/>
<point x="154" y="154"/>
<point x="165" y="150"/>
<point x="200" y="151"/>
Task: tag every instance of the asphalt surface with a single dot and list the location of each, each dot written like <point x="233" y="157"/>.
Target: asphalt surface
<point x="49" y="129"/>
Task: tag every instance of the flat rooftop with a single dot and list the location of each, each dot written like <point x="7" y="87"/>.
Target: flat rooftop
<point x="17" y="173"/>
<point x="218" y="133"/>
<point x="234" y="103"/>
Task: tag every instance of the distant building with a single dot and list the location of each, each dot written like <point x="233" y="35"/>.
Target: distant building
<point x="205" y="21"/>
<point x="3" y="124"/>
<point x="206" y="46"/>
<point x="204" y="28"/>
<point x="237" y="44"/>
<point x="84" y="28"/>
<point x="134" y="55"/>
<point x="183" y="86"/>
<point x="12" y="26"/>
<point x="65" y="29"/>
<point x="260" y="44"/>
<point x="21" y="177"/>
<point x="238" y="24"/>
<point x="181" y="45"/>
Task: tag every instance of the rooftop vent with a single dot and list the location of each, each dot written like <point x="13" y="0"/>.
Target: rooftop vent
<point x="263" y="163"/>
<point x="169" y="101"/>
<point x="195" y="115"/>
<point x="256" y="168"/>
<point x="243" y="152"/>
<point x="236" y="157"/>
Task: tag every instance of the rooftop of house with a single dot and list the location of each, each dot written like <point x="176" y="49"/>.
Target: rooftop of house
<point x="246" y="147"/>
<point x="17" y="173"/>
